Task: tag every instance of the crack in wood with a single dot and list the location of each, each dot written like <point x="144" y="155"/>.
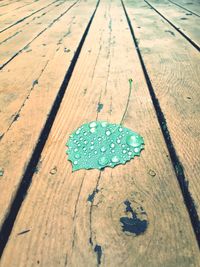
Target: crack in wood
<point x="26" y="180"/>
<point x="75" y="211"/>
<point x="184" y="8"/>
<point x="97" y="249"/>
<point x="177" y="165"/>
<point x="26" y="17"/>
<point x="10" y="37"/>
<point x="17" y="114"/>
<point x="40" y="33"/>
<point x="109" y="52"/>
<point x="174" y="26"/>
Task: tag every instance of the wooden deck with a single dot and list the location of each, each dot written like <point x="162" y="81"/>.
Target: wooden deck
<point x="59" y="61"/>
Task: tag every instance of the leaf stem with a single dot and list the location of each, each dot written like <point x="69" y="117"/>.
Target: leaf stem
<point x="128" y="100"/>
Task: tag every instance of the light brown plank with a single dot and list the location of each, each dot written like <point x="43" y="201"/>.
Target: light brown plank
<point x="14" y="5"/>
<point x="17" y="38"/>
<point x="173" y="67"/>
<point x="12" y="17"/>
<point x="189" y="25"/>
<point x="48" y="65"/>
<point x="39" y="52"/>
<point x="4" y="3"/>
<point x="64" y="227"/>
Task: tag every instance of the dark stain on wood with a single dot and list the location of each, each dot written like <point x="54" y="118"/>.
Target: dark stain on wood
<point x="91" y="196"/>
<point x="98" y="251"/>
<point x="152" y="173"/>
<point x="99" y="107"/>
<point x="133" y="225"/>
<point x="172" y="33"/>
<point x="24" y="232"/>
<point x="35" y="82"/>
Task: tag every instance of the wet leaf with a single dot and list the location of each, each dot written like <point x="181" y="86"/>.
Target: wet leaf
<point x="100" y="144"/>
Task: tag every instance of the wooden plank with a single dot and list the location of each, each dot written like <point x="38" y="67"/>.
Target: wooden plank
<point x="17" y="38"/>
<point x="189" y="25"/>
<point x="12" y="101"/>
<point x="9" y="7"/>
<point x="74" y="218"/>
<point x="190" y="6"/>
<point x="175" y="76"/>
<point x="14" y="17"/>
<point x="47" y="66"/>
<point x="6" y="3"/>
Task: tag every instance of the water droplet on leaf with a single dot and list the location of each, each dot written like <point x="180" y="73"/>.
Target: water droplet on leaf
<point x="137" y="150"/>
<point x="93" y="130"/>
<point x="115" y="159"/>
<point x="103" y="149"/>
<point x="108" y="132"/>
<point x="134" y="141"/>
<point x="93" y="124"/>
<point x="104" y="123"/>
<point x="103" y="161"/>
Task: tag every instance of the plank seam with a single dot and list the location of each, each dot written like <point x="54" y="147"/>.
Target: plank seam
<point x="17" y="8"/>
<point x="26" y="17"/>
<point x="176" y="28"/>
<point x="7" y="3"/>
<point x="177" y="165"/>
<point x="184" y="8"/>
<point x="45" y="29"/>
<point x="17" y="114"/>
<point x="26" y="180"/>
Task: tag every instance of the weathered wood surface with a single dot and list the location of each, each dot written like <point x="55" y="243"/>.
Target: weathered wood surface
<point x="7" y="7"/>
<point x="19" y="37"/>
<point x="190" y="6"/>
<point x="74" y="218"/>
<point x="36" y="86"/>
<point x="187" y="24"/>
<point x="175" y="76"/>
<point x="11" y="18"/>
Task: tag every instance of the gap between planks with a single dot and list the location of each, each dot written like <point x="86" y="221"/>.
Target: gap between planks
<point x="152" y="195"/>
<point x="183" y="166"/>
<point x="184" y="6"/>
<point x="20" y="19"/>
<point x="85" y="20"/>
<point x="191" y="37"/>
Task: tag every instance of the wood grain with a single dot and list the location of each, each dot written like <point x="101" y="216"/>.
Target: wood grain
<point x="74" y="218"/>
<point x="191" y="6"/>
<point x="175" y="76"/>
<point x="39" y="52"/>
<point x="6" y="7"/>
<point x="189" y="25"/>
<point x="11" y="18"/>
<point x="19" y="37"/>
<point x="38" y="77"/>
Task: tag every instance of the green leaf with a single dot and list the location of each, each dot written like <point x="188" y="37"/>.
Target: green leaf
<point x="100" y="144"/>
